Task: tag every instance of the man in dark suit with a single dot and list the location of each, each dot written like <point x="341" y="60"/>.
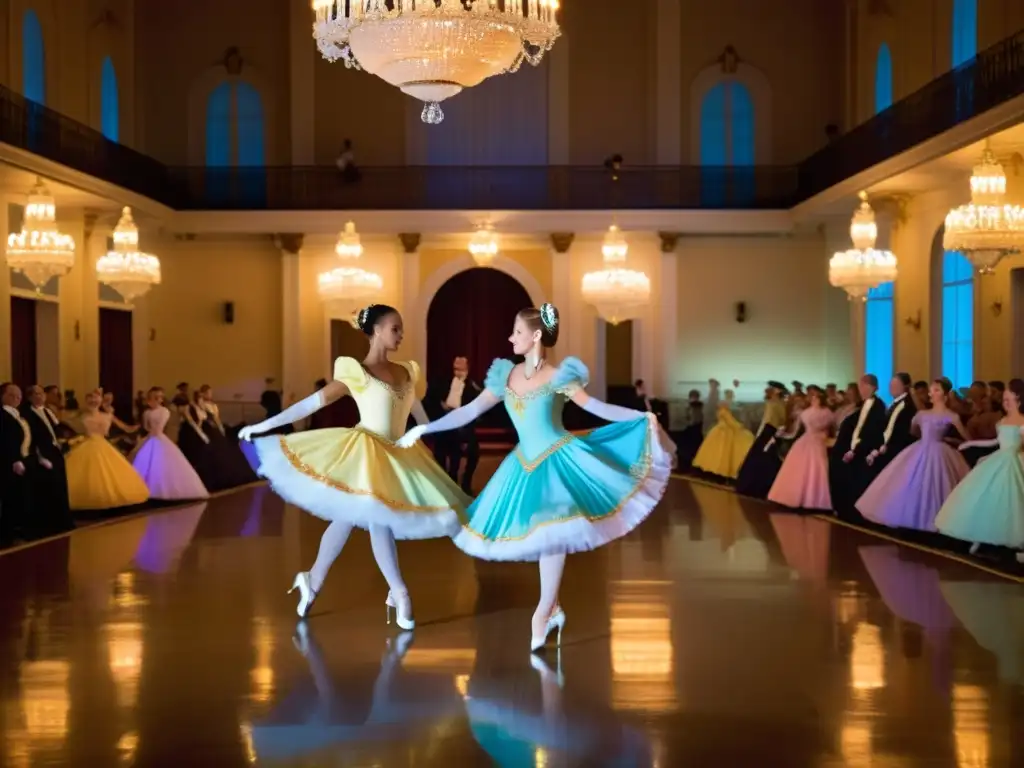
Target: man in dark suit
<point x="16" y="464"/>
<point x="898" y="419"/>
<point x="862" y="432"/>
<point x="443" y="396"/>
<point x="52" y="513"/>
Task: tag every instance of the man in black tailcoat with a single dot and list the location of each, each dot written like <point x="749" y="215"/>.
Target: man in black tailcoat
<point x="862" y="432"/>
<point x="52" y="512"/>
<point x="17" y="463"/>
<point x="898" y="418"/>
<point x="445" y="395"/>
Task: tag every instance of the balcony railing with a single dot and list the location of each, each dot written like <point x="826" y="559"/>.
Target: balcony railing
<point x="995" y="76"/>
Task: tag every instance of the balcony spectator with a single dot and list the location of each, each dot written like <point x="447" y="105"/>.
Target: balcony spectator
<point x="346" y="163"/>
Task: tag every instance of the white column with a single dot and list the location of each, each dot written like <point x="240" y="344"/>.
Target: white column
<point x="408" y="252"/>
<point x="669" y="90"/>
<point x="667" y="303"/>
<point x="292" y="379"/>
<point x="79" y="335"/>
<point x="558" y="103"/>
<point x="141" y="330"/>
<point x="5" y="298"/>
<point x="302" y="60"/>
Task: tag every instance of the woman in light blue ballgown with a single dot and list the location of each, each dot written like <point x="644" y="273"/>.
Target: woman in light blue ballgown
<point x="557" y="492"/>
<point x="988" y="505"/>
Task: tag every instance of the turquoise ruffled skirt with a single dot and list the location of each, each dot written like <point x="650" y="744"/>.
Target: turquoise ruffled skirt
<point x="582" y="492"/>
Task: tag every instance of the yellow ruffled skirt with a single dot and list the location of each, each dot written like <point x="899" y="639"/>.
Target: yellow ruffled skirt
<point x="724" y="448"/>
<point x="364" y="479"/>
<point x="99" y="477"/>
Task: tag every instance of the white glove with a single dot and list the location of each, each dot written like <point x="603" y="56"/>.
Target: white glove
<point x="610" y="412"/>
<point x="297" y="412"/>
<point x="410" y="438"/>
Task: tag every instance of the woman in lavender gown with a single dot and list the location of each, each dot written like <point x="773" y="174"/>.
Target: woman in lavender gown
<point x="802" y="482"/>
<point x="168" y="474"/>
<point x="910" y="491"/>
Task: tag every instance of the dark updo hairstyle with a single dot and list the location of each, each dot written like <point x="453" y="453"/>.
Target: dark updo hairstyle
<point x="543" y="319"/>
<point x="1017" y="387"/>
<point x="368" y="318"/>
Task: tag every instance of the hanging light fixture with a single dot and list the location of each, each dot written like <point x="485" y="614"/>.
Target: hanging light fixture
<point x="987" y="229"/>
<point x="862" y="268"/>
<point x="124" y="268"/>
<point x="616" y="293"/>
<point x="39" y="251"/>
<point x="349" y="283"/>
<point x="483" y="246"/>
<point x="433" y="49"/>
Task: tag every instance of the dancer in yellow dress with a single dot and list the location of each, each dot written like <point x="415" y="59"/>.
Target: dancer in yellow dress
<point x="358" y="477"/>
<point x="726" y="445"/>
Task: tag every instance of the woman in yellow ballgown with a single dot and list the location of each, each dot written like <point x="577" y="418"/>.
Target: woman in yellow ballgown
<point x="358" y="477"/>
<point x="99" y="476"/>
<point x="726" y="445"/>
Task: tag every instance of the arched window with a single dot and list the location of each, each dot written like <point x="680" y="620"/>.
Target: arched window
<point x="957" y="319"/>
<point x="727" y="138"/>
<point x="33" y="58"/>
<point x="110" y="113"/>
<point x="235" y="126"/>
<point x="965" y="31"/>
<point x="883" y="78"/>
<point x="879" y="332"/>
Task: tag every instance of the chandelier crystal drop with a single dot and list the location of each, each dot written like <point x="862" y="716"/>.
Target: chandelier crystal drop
<point x="988" y="228"/>
<point x="125" y="268"/>
<point x="483" y="246"/>
<point x="39" y="251"/>
<point x="862" y="267"/>
<point x="433" y="49"/>
<point x="349" y="284"/>
<point x="617" y="293"/>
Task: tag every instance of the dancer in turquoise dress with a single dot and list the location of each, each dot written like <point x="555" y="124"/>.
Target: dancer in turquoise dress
<point x="987" y="507"/>
<point x="557" y="492"/>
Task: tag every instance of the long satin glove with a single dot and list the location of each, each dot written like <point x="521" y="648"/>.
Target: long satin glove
<point x="454" y="420"/>
<point x="419" y="414"/>
<point x="301" y="410"/>
<point x="610" y="412"/>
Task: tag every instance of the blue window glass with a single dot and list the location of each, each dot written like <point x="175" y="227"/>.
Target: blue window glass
<point x="250" y="126"/>
<point x="218" y="126"/>
<point x="957" y="319"/>
<point x="965" y="31"/>
<point x="879" y="333"/>
<point x="110" y="113"/>
<point x="727" y="138"/>
<point x="883" y="78"/>
<point x="33" y="58"/>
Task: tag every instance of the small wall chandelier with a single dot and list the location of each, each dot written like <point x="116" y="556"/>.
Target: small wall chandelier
<point x="39" y="251"/>
<point x="349" y="284"/>
<point x="124" y="268"/>
<point x="483" y="246"/>
<point x="862" y="268"/>
<point x="987" y="229"/>
<point x="616" y="293"/>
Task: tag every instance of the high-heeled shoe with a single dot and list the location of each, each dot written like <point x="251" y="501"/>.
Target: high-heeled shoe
<point x="402" y="607"/>
<point x="557" y="621"/>
<point x="306" y="593"/>
<point x="545" y="671"/>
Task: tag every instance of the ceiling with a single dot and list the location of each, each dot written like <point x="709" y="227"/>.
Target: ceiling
<point x="17" y="182"/>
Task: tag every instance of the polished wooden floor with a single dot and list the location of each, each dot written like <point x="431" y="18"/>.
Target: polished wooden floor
<point x="719" y="634"/>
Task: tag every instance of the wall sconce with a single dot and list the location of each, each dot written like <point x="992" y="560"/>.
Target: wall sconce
<point x="914" y="321"/>
<point x="152" y="334"/>
<point x="997" y="307"/>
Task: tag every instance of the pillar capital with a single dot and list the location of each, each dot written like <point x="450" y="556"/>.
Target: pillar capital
<point x="289" y="242"/>
<point x="892" y="207"/>
<point x="410" y="241"/>
<point x="562" y="241"/>
<point x="669" y="241"/>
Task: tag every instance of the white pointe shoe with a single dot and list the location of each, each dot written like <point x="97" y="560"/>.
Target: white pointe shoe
<point x="306" y="593"/>
<point x="402" y="607"/>
<point x="557" y="621"/>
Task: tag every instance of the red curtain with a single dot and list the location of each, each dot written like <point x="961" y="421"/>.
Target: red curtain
<point x="116" y="360"/>
<point x="23" y="341"/>
<point x="472" y="316"/>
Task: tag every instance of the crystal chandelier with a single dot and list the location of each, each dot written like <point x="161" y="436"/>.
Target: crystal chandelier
<point x="349" y="283"/>
<point x="615" y="292"/>
<point x="39" y="251"/>
<point x="125" y="268"/>
<point x="986" y="229"/>
<point x="862" y="268"/>
<point x="433" y="49"/>
<point x="483" y="246"/>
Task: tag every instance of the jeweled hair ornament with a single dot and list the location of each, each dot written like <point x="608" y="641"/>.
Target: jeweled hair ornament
<point x="549" y="316"/>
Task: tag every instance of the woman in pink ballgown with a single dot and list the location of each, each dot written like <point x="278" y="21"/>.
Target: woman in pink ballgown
<point x="168" y="474"/>
<point x="802" y="483"/>
<point x="911" y="490"/>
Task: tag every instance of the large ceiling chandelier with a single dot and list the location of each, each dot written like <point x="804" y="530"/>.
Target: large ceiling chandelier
<point x="433" y="49"/>
<point x="616" y="293"/>
<point x="125" y="268"/>
<point x="40" y="251"/>
<point x="483" y="246"/>
<point x="349" y="283"/>
<point x="862" y="268"/>
<point x="986" y="229"/>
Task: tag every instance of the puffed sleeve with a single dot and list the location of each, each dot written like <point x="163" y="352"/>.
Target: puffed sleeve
<point x="351" y="373"/>
<point x="412" y="368"/>
<point x="572" y="376"/>
<point x="496" y="379"/>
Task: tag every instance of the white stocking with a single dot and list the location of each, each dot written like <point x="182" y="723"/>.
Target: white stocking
<point x="331" y="544"/>
<point x="551" y="567"/>
<point x="383" y="542"/>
